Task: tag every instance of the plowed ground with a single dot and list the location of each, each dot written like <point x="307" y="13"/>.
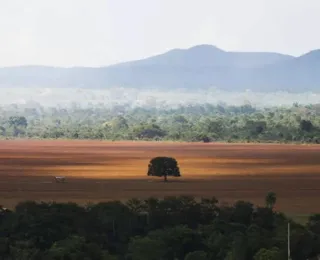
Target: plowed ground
<point x="99" y="171"/>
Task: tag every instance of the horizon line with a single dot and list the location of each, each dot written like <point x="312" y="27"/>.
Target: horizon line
<point x="159" y="54"/>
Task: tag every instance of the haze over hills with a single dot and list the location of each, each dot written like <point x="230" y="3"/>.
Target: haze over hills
<point x="195" y="68"/>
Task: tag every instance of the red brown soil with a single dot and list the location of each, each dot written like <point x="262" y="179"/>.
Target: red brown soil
<point x="99" y="171"/>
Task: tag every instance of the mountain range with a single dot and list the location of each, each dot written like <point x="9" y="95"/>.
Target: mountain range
<point x="195" y="68"/>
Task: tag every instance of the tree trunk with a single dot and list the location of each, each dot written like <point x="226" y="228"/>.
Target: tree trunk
<point x="165" y="178"/>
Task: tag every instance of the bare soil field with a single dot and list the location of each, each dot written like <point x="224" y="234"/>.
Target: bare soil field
<point x="98" y="171"/>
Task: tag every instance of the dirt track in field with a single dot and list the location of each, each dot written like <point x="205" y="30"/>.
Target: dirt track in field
<point x="117" y="170"/>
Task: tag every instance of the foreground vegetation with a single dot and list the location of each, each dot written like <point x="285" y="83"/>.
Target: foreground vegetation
<point x="170" y="228"/>
<point x="186" y="123"/>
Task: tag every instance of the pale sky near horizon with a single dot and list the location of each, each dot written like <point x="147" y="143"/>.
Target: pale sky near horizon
<point x="103" y="32"/>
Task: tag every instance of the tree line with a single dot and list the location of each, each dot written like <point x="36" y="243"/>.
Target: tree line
<point x="171" y="228"/>
<point x="185" y="123"/>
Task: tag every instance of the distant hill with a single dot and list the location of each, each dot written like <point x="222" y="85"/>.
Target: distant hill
<point x="194" y="68"/>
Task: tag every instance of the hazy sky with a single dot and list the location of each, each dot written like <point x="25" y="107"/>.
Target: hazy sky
<point x="102" y="32"/>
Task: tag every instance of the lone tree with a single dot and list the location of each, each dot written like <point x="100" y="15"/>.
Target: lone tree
<point x="163" y="167"/>
<point x="271" y="200"/>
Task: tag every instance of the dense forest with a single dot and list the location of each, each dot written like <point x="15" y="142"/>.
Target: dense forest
<point x="171" y="228"/>
<point x="185" y="123"/>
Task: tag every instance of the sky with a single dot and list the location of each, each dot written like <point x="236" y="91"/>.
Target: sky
<point x="102" y="32"/>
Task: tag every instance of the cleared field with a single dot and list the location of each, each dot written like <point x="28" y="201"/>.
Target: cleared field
<point x="117" y="170"/>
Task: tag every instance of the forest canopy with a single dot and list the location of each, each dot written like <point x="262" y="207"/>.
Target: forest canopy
<point x="207" y="123"/>
<point x="172" y="228"/>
